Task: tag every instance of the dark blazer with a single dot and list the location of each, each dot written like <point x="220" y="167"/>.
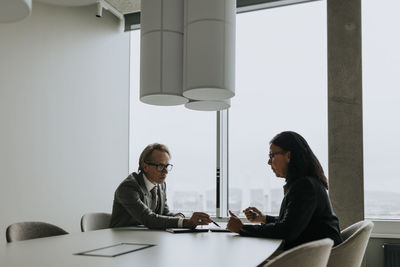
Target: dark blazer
<point x="306" y="215"/>
<point x="131" y="205"/>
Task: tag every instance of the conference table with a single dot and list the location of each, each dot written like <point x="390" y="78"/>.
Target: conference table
<point x="156" y="248"/>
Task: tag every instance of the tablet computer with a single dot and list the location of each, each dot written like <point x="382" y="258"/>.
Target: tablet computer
<point x="186" y="230"/>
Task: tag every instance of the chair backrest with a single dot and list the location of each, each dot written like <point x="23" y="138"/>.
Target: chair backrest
<point x="315" y="254"/>
<point x="355" y="240"/>
<point x="95" y="221"/>
<point x="30" y="230"/>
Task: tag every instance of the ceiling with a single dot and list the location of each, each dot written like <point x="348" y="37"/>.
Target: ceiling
<point x="123" y="6"/>
<point x="133" y="6"/>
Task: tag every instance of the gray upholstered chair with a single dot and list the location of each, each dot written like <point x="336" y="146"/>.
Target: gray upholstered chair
<point x="30" y="230"/>
<point x="311" y="254"/>
<point x="355" y="240"/>
<point x="95" y="221"/>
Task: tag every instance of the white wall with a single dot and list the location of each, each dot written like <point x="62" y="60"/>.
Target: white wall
<point x="64" y="103"/>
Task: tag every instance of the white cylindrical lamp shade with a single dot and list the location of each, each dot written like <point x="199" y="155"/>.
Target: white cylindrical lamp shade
<point x="14" y="10"/>
<point x="209" y="49"/>
<point x="161" y="52"/>
<point x="208" y="105"/>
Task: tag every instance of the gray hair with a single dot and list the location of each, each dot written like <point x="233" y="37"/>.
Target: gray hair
<point x="146" y="153"/>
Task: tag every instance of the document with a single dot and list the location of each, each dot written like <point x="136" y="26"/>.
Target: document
<point x="222" y="227"/>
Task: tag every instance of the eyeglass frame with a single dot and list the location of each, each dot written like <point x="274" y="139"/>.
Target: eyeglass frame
<point x="161" y="167"/>
<point x="271" y="155"/>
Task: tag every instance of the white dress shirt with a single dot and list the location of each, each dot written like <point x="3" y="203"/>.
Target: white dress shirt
<point x="149" y="186"/>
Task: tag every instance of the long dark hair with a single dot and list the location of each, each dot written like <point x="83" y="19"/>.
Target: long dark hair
<point x="303" y="162"/>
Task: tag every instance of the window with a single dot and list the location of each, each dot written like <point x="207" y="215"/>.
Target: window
<point x="281" y="84"/>
<point x="381" y="98"/>
<point x="190" y="137"/>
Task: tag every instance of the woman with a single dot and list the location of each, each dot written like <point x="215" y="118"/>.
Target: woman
<point x="306" y="213"/>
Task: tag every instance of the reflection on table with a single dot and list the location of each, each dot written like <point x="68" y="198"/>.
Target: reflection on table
<point x="184" y="249"/>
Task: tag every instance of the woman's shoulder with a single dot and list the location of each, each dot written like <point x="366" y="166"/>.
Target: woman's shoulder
<point x="308" y="182"/>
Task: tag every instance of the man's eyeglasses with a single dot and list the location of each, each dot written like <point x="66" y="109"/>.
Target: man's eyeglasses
<point x="161" y="167"/>
<point x="271" y="155"/>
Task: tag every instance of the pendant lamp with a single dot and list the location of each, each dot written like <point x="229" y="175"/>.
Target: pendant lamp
<point x="14" y="10"/>
<point x="209" y="49"/>
<point x="161" y="58"/>
<point x="208" y="105"/>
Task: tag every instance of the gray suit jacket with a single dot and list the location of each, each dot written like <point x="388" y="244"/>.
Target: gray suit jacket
<point x="132" y="205"/>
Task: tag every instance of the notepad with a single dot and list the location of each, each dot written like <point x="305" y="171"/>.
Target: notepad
<point x="186" y="230"/>
<point x="222" y="227"/>
<point x="115" y="250"/>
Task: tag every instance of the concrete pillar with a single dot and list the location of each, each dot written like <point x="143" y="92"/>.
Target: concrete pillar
<point x="345" y="110"/>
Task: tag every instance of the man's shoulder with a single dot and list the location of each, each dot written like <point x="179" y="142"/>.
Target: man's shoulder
<point x="133" y="180"/>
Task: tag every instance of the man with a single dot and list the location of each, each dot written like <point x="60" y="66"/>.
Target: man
<point x="141" y="198"/>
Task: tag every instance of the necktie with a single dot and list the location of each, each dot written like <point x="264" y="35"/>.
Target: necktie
<point x="153" y="198"/>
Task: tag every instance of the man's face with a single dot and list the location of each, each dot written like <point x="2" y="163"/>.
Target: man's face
<point x="152" y="173"/>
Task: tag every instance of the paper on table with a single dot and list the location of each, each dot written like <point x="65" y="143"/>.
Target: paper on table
<point x="222" y="228"/>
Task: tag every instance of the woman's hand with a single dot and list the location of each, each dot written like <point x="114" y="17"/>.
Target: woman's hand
<point x="254" y="215"/>
<point x="234" y="223"/>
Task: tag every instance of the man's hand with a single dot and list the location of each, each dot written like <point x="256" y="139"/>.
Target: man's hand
<point x="180" y="215"/>
<point x="234" y="223"/>
<point x="254" y="215"/>
<point x="198" y="218"/>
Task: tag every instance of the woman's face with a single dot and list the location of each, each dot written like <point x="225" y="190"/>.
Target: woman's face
<point x="279" y="160"/>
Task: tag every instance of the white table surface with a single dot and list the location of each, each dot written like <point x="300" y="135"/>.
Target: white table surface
<point x="184" y="249"/>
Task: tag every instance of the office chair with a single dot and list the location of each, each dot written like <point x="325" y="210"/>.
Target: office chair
<point x="315" y="254"/>
<point x="95" y="221"/>
<point x="30" y="230"/>
<point x="355" y="240"/>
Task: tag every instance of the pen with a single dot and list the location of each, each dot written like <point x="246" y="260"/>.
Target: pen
<point x="215" y="223"/>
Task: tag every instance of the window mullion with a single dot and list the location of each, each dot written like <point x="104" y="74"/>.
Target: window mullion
<point x="222" y="164"/>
